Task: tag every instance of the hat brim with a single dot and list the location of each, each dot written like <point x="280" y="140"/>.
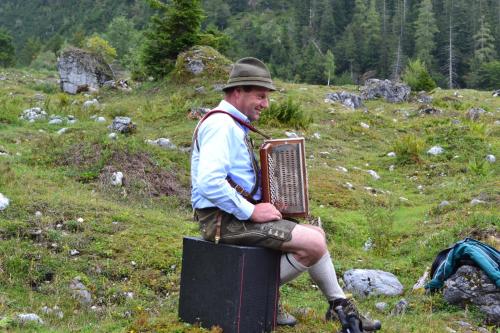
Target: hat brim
<point x="261" y="84"/>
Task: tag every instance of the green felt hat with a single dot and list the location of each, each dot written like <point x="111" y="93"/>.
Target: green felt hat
<point x="250" y="72"/>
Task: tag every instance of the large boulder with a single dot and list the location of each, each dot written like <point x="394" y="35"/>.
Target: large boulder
<point x="81" y="71"/>
<point x="392" y="92"/>
<point x="201" y="65"/>
<point x="350" y="100"/>
<point x="470" y="285"/>
<point x="367" y="282"/>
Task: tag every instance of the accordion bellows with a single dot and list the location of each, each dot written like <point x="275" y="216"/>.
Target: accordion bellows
<point x="284" y="176"/>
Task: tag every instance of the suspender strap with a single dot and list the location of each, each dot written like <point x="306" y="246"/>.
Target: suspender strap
<point x="218" y="226"/>
<point x="241" y="190"/>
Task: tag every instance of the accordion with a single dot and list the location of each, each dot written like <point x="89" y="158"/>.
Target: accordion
<point x="284" y="176"/>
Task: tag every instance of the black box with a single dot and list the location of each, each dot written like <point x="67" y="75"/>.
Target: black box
<point x="234" y="287"/>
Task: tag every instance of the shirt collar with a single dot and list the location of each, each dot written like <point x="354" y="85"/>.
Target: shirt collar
<point x="228" y="107"/>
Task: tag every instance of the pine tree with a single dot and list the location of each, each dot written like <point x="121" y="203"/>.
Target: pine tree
<point x="122" y="35"/>
<point x="29" y="52"/>
<point x="173" y="30"/>
<point x="7" y="53"/>
<point x="372" y="31"/>
<point x="329" y="66"/>
<point x="425" y="30"/>
<point x="484" y="43"/>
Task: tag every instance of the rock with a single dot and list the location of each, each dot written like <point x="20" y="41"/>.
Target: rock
<point x="80" y="292"/>
<point x="71" y="119"/>
<point x="436" y="150"/>
<point x="201" y="64"/>
<point x="62" y="131"/>
<point x="428" y="110"/>
<point x="423" y="98"/>
<point x="349" y="186"/>
<point x="74" y="252"/>
<point x="374" y="174"/>
<point x="113" y="136"/>
<point x="217" y="86"/>
<point x="341" y="169"/>
<point x="474" y="113"/>
<point x="381" y="306"/>
<point x="117" y="178"/>
<point x="33" y="114"/>
<point x="475" y="202"/>
<point x="368" y="244"/>
<point x="316" y="135"/>
<point x="163" y="143"/>
<point x="367" y="282"/>
<point x="496" y="93"/>
<point x="194" y="66"/>
<point x="199" y="90"/>
<point x="393" y="92"/>
<point x="100" y="120"/>
<point x="491" y="158"/>
<point x="400" y="308"/>
<point x="291" y="135"/>
<point x="4" y="202"/>
<point x="324" y="154"/>
<point x="347" y="99"/>
<point x="391" y="154"/>
<point x="364" y="125"/>
<point x="443" y="204"/>
<point x="82" y="71"/>
<point x="24" y="318"/>
<point x="123" y="125"/>
<point x="38" y="214"/>
<point x="55" y="121"/>
<point x="391" y="167"/>
<point x="90" y="103"/>
<point x="55" y="311"/>
<point x="471" y="285"/>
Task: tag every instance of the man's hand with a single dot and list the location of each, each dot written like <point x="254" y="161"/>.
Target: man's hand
<point x="265" y="212"/>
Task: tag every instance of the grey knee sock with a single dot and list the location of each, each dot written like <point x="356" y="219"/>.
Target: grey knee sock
<point x="323" y="274"/>
<point x="290" y="268"/>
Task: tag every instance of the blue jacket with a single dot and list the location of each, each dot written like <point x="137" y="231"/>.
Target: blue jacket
<point x="449" y="260"/>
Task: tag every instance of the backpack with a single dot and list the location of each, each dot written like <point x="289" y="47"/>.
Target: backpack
<point x="465" y="252"/>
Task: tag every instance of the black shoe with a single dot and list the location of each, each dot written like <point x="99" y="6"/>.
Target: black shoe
<point x="350" y="309"/>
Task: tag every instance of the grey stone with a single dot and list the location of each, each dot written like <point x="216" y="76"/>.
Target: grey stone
<point x="117" y="178"/>
<point x="100" y="120"/>
<point x="56" y="121"/>
<point x="367" y="282"/>
<point x="436" y="150"/>
<point x="82" y="71"/>
<point x="496" y="93"/>
<point x="291" y="135"/>
<point x="471" y="285"/>
<point x="199" y="90"/>
<point x="491" y="158"/>
<point x="443" y="204"/>
<point x="90" y="103"/>
<point x="350" y="100"/>
<point x="381" y="306"/>
<point x="162" y="142"/>
<point x="400" y="308"/>
<point x="80" y="292"/>
<point x="429" y="110"/>
<point x="423" y="98"/>
<point x="218" y="86"/>
<point x="474" y="113"/>
<point x="4" y="202"/>
<point x="195" y="66"/>
<point x="24" y="318"/>
<point x="122" y="125"/>
<point x="374" y="174"/>
<point x="33" y="114"/>
<point x="476" y="201"/>
<point x="392" y="92"/>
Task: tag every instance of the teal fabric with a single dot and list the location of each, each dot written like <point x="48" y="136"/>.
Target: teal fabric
<point x="484" y="256"/>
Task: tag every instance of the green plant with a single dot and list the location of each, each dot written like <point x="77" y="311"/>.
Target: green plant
<point x="479" y="167"/>
<point x="408" y="149"/>
<point x="286" y="113"/>
<point x="417" y="76"/>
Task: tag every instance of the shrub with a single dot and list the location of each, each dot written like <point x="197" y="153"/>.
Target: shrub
<point x="408" y="149"/>
<point x="417" y="76"/>
<point x="101" y="47"/>
<point x="287" y="113"/>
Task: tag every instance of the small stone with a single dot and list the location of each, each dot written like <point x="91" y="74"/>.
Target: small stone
<point x="491" y="158"/>
<point x="443" y="204"/>
<point x="79" y="220"/>
<point x="117" y="178"/>
<point x="403" y="199"/>
<point x="55" y="121"/>
<point x="100" y="120"/>
<point x="341" y="169"/>
<point x="391" y="154"/>
<point x="133" y="263"/>
<point x="364" y="125"/>
<point x="38" y="214"/>
<point x="476" y="201"/>
<point x="420" y="188"/>
<point x="74" y="252"/>
<point x="373" y="174"/>
<point x="24" y="318"/>
<point x="316" y="135"/>
<point x="291" y="135"/>
<point x="391" y="167"/>
<point x="112" y="136"/>
<point x="381" y="306"/>
<point x="128" y="295"/>
<point x="62" y="131"/>
<point x="4" y="202"/>
<point x="436" y="150"/>
<point x="400" y="307"/>
<point x="368" y="244"/>
<point x="324" y="154"/>
<point x="348" y="186"/>
<point x="88" y="104"/>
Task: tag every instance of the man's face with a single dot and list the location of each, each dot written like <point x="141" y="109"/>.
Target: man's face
<point x="251" y="103"/>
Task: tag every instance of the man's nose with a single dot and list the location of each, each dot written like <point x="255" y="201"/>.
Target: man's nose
<point x="265" y="103"/>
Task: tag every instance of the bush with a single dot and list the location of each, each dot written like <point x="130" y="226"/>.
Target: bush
<point x="101" y="47"/>
<point x="44" y="61"/>
<point x="286" y="113"/>
<point x="417" y="76"/>
<point x="489" y="75"/>
<point x="408" y="149"/>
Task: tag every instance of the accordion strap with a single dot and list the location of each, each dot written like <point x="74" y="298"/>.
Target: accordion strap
<point x="248" y="196"/>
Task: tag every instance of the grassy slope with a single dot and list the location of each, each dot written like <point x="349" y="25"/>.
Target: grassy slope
<point x="131" y="241"/>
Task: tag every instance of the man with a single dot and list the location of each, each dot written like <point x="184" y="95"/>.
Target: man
<point x="226" y="191"/>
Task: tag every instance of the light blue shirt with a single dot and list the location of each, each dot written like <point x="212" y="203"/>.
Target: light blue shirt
<point x="222" y="152"/>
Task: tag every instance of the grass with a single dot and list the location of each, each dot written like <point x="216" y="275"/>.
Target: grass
<point x="130" y="239"/>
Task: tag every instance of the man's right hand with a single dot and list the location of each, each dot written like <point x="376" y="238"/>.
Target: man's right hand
<point x="265" y="212"/>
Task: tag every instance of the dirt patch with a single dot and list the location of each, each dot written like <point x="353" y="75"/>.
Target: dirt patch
<point x="141" y="176"/>
<point x="82" y="156"/>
